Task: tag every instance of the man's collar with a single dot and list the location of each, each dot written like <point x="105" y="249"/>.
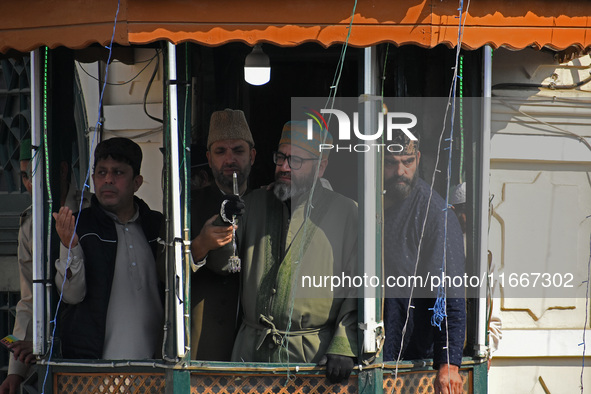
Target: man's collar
<point x="115" y="218"/>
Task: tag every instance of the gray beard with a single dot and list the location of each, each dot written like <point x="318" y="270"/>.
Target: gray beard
<point x="282" y="191"/>
<point x="286" y="192"/>
<point x="292" y="191"/>
<point x="399" y="192"/>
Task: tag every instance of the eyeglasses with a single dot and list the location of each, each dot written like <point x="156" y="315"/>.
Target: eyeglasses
<point x="295" y="162"/>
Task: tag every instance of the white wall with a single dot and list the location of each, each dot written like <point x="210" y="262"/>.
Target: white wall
<point x="124" y="115"/>
<point x="542" y="199"/>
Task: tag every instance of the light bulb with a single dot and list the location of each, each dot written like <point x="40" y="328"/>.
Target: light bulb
<point x="257" y="69"/>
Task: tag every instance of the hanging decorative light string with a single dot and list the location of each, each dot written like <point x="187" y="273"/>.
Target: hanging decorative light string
<point x="98" y="123"/>
<point x="461" y="115"/>
<point x="299" y="253"/>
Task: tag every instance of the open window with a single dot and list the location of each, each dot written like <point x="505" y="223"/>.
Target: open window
<point x="411" y="76"/>
<point x="80" y="98"/>
<point x="162" y="97"/>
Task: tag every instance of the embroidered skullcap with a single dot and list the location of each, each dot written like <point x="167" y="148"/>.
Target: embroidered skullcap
<point x="296" y="133"/>
<point x="229" y="124"/>
<point x="409" y="147"/>
<point x="120" y="149"/>
<point x="25" y="149"/>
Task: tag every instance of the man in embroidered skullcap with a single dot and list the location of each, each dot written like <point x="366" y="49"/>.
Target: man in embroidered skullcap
<point x="279" y="244"/>
<point x="410" y="204"/>
<point x="214" y="297"/>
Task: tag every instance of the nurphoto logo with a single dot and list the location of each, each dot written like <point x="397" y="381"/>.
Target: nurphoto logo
<point x="395" y="122"/>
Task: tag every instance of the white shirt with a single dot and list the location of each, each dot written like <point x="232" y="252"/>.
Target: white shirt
<point x="135" y="313"/>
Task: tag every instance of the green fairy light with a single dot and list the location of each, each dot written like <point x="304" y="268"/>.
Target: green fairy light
<point x="45" y="143"/>
<point x="461" y="74"/>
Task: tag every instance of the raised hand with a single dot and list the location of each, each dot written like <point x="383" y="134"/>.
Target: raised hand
<point x="65" y="225"/>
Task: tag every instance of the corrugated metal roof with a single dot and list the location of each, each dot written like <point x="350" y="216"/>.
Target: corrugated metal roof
<point x="78" y="23"/>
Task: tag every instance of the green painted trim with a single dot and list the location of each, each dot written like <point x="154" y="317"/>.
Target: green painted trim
<point x="184" y="116"/>
<point x="181" y="381"/>
<point x="371" y="381"/>
<point x="480" y="378"/>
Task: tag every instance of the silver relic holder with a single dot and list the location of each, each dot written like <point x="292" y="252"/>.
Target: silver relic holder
<point x="234" y="260"/>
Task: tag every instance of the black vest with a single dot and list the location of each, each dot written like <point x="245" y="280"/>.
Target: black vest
<point x="83" y="325"/>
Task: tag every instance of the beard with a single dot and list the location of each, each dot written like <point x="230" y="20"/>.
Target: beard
<point x="399" y="191"/>
<point x="292" y="190"/>
<point x="228" y="181"/>
<point x="282" y="191"/>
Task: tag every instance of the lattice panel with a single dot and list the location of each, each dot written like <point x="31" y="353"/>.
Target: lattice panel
<point x="15" y="118"/>
<point x="297" y="384"/>
<point x="109" y="383"/>
<point x="419" y="383"/>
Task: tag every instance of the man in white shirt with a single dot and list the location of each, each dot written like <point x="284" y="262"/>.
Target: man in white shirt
<point x="107" y="270"/>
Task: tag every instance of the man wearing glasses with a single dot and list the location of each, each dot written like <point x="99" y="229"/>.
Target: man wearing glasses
<point x="296" y="229"/>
